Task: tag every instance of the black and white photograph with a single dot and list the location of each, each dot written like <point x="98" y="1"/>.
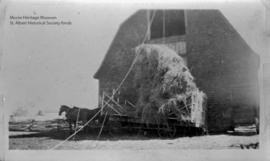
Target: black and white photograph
<point x="96" y="76"/>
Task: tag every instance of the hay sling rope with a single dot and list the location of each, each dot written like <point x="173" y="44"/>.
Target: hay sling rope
<point x="75" y="132"/>
<point x="119" y="86"/>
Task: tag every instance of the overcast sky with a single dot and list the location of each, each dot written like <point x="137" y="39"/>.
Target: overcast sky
<point x="46" y="66"/>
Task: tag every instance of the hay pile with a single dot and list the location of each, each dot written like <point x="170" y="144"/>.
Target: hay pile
<point x="164" y="84"/>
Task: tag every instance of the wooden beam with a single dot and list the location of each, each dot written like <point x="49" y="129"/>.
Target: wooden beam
<point x="113" y="93"/>
<point x="130" y="104"/>
<point x="107" y="104"/>
<point x="118" y="99"/>
<point x="116" y="103"/>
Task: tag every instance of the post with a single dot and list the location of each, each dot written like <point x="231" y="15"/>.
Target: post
<point x="102" y="102"/>
<point x="113" y="93"/>
<point x="118" y="97"/>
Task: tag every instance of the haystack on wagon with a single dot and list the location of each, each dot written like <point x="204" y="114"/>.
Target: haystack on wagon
<point x="168" y="98"/>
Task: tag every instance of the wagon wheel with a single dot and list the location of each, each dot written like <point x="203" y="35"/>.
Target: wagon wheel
<point x="166" y="130"/>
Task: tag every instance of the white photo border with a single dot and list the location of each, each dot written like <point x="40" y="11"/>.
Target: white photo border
<point x="162" y="154"/>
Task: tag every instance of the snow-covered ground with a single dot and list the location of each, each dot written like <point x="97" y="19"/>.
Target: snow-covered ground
<point x="137" y="143"/>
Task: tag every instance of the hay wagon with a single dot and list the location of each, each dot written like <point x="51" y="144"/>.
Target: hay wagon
<point x="122" y="118"/>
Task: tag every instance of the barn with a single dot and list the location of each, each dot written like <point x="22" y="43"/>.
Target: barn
<point x="223" y="64"/>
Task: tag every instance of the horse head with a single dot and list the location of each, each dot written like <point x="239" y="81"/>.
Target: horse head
<point x="63" y="108"/>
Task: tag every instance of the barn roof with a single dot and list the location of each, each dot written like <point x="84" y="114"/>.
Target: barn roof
<point x="128" y="36"/>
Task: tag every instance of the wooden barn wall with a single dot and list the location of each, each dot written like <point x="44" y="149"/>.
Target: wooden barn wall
<point x="224" y="67"/>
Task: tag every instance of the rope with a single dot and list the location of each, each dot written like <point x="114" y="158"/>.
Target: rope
<point x="102" y="126"/>
<point x="75" y="132"/>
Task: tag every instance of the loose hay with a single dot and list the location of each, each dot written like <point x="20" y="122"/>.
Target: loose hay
<point x="165" y="85"/>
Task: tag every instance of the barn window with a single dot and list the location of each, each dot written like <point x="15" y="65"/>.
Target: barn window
<point x="167" y="23"/>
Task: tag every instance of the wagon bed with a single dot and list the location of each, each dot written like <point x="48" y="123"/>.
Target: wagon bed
<point x="122" y="116"/>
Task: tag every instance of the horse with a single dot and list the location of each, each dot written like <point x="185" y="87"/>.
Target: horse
<point x="78" y="114"/>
